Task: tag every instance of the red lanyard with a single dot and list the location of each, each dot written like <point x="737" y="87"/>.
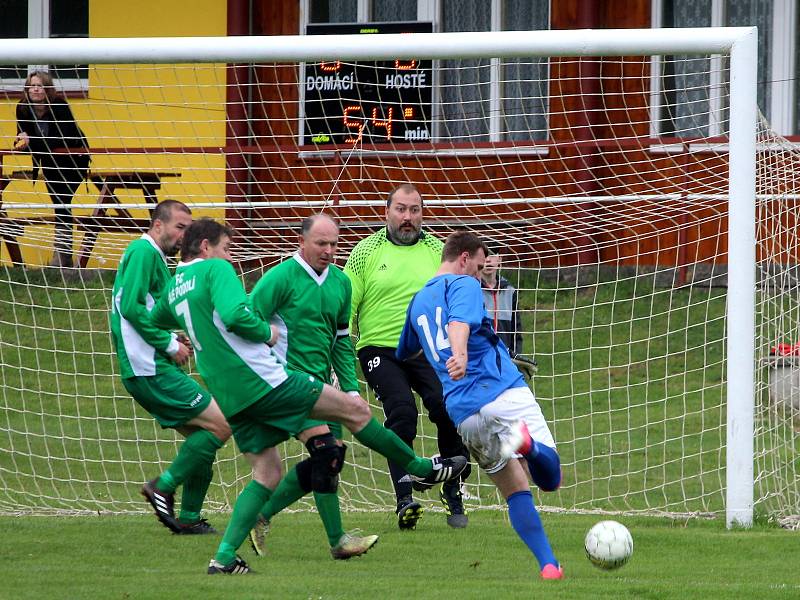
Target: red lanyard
<point x="494" y="303"/>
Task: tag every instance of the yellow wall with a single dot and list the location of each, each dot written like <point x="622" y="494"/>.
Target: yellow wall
<point x="157" y="18"/>
<point x="172" y="109"/>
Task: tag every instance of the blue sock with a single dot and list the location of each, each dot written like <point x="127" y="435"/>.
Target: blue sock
<point x="526" y="522"/>
<point x="545" y="467"/>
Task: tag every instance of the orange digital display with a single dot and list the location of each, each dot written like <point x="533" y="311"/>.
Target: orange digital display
<point x="367" y="102"/>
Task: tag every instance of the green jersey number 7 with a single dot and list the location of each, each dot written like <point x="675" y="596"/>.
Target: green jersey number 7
<point x="182" y="310"/>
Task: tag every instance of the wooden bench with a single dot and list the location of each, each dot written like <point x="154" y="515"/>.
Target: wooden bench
<point x="11" y="229"/>
<point x="107" y="182"/>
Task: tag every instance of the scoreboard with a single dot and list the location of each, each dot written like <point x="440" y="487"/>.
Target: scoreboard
<point x="375" y="102"/>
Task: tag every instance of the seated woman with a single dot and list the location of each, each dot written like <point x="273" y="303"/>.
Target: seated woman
<point x="45" y="125"/>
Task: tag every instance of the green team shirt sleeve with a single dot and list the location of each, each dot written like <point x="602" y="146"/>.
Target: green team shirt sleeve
<point x="230" y="302"/>
<point x="133" y="302"/>
<point x="343" y="358"/>
<point x="161" y="315"/>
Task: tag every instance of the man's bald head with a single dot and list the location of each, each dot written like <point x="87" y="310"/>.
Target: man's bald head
<point x="320" y="218"/>
<point x="319" y="239"/>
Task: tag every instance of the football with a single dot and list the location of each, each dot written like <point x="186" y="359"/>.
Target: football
<point x="608" y="545"/>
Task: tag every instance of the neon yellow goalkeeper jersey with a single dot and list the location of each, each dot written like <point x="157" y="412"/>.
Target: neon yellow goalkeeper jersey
<point x="385" y="276"/>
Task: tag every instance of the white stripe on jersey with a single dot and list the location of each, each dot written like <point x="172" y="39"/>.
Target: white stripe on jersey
<point x="141" y="355"/>
<point x="256" y="355"/>
<point x="281" y="347"/>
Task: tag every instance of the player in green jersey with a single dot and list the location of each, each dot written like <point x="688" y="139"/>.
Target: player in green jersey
<point x="147" y="358"/>
<point x="264" y="402"/>
<point x="308" y="299"/>
<point x="386" y="270"/>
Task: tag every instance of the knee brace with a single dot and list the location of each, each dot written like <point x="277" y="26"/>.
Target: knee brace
<point x="545" y="468"/>
<point x="303" y="469"/>
<point x="342" y="453"/>
<point x="327" y="460"/>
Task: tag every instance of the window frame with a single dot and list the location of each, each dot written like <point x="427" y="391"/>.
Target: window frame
<point x="431" y="11"/>
<point x="39" y="28"/>
<point x="782" y="70"/>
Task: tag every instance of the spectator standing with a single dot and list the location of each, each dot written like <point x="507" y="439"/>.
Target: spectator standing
<point x="501" y="301"/>
<point x="46" y="127"/>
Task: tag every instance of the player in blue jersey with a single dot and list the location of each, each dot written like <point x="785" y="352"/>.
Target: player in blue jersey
<point x="494" y="410"/>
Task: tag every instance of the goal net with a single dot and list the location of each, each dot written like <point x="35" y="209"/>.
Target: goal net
<point x="602" y="180"/>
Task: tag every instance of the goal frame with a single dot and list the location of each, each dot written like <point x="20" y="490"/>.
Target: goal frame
<point x="739" y="43"/>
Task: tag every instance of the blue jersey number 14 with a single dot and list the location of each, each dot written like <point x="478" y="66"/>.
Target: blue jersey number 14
<point x="441" y="333"/>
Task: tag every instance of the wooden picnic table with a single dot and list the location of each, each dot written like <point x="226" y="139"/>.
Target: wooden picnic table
<point x="108" y="182"/>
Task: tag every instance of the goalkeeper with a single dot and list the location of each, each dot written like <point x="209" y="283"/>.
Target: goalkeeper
<point x="308" y="299"/>
<point x="264" y="402"/>
<point x="386" y="269"/>
<point x="495" y="412"/>
<point x="147" y="358"/>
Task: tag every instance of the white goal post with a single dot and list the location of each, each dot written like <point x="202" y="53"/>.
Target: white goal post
<point x="739" y="45"/>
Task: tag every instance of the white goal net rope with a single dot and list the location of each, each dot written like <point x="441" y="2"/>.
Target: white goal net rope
<point x="602" y="183"/>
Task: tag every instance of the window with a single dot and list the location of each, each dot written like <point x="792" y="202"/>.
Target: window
<point x="333" y="11"/>
<point x="394" y="10"/>
<point x="476" y="100"/>
<point x="465" y="85"/>
<point x="45" y="19"/>
<point x="683" y="105"/>
<point x="525" y="81"/>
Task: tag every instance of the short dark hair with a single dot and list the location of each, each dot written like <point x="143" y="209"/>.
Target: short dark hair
<point x="308" y="222"/>
<point x="405" y="187"/>
<point x="462" y="241"/>
<point x="163" y="211"/>
<point x="202" y="229"/>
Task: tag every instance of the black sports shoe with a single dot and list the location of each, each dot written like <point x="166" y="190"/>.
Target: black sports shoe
<point x="237" y="567"/>
<point x="450" y="495"/>
<point x="258" y="536"/>
<point x="409" y="511"/>
<point x="199" y="527"/>
<point x="163" y="504"/>
<point x="418" y="486"/>
<point x="444" y="469"/>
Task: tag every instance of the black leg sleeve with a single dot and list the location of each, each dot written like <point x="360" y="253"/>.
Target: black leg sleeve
<point x="425" y="382"/>
<point x="387" y="378"/>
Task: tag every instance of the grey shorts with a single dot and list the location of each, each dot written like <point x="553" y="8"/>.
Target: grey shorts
<point x="485" y="431"/>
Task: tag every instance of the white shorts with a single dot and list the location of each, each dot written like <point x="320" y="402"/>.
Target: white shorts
<point x="484" y="432"/>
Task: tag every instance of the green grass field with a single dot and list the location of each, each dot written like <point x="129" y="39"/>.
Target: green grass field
<point x="631" y="378"/>
<point x="127" y="557"/>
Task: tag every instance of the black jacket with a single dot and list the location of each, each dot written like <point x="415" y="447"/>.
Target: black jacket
<point x="55" y="130"/>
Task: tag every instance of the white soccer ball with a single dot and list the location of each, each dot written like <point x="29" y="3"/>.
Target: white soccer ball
<point x="608" y="545"/>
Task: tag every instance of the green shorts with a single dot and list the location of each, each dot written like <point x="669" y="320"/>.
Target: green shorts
<point x="277" y="416"/>
<point x="172" y="398"/>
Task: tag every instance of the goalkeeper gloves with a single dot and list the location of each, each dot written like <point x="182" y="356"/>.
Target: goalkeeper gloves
<point x="526" y="365"/>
